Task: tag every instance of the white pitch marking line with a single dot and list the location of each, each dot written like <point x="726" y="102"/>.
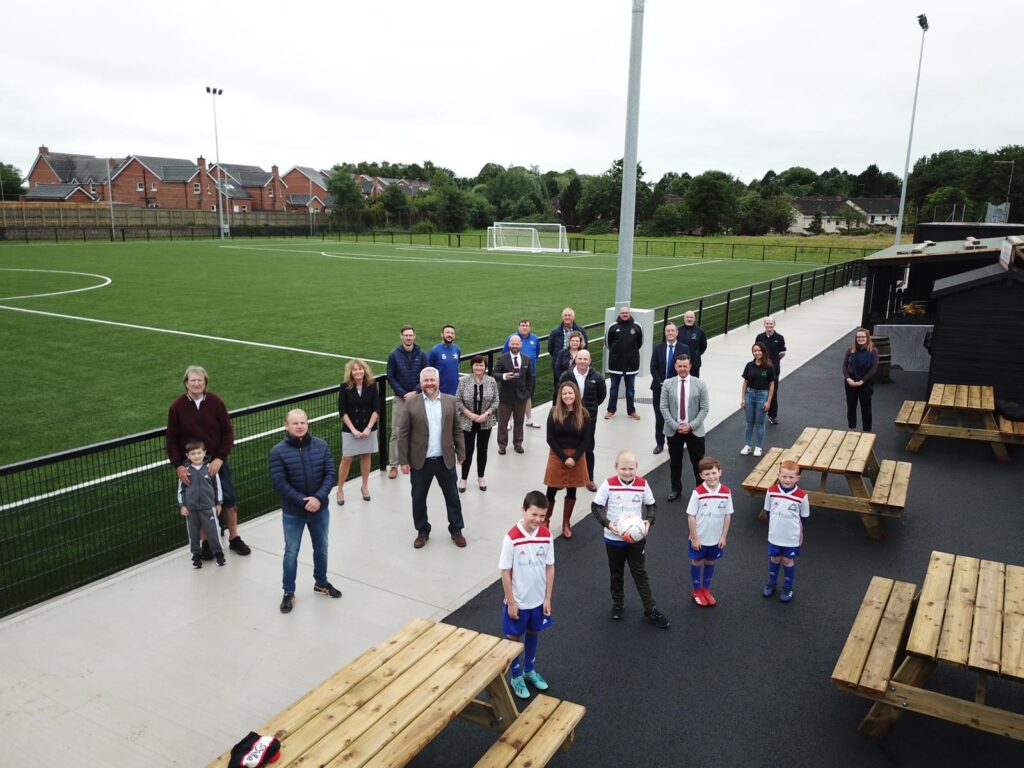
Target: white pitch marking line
<point x="173" y="332"/>
<point x="106" y="281"/>
<point x="680" y="266"/>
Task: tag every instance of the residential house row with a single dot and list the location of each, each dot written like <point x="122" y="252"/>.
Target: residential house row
<point x="143" y="181"/>
<point x="870" y="211"/>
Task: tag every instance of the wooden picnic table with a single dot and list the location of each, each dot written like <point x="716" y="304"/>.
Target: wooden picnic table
<point x="969" y="615"/>
<point x="966" y="412"/>
<point x="850" y="455"/>
<point x="384" y="707"/>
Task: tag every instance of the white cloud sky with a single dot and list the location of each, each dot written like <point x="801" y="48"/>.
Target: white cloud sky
<point x="742" y="86"/>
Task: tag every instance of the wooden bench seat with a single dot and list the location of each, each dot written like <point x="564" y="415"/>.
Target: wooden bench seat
<point x="546" y="726"/>
<point x="891" y="485"/>
<point x="868" y="658"/>
<point x="911" y="413"/>
<point x="1011" y="428"/>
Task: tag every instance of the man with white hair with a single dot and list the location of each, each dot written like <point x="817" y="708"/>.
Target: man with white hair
<point x="200" y="415"/>
<point x="430" y="443"/>
<point x="694" y="337"/>
<point x="776" y="346"/>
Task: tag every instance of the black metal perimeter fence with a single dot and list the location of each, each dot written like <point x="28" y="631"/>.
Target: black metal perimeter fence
<point x="71" y="518"/>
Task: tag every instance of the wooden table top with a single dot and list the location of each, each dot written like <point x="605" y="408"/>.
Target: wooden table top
<point x="384" y="707"/>
<point x="970" y="398"/>
<point x="832" y="450"/>
<point x="971" y="613"/>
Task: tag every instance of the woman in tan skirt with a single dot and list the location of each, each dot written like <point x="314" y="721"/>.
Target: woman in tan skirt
<point x="568" y="434"/>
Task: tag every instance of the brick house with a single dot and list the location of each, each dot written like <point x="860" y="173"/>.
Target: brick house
<point x="60" y="168"/>
<point x="63" y="193"/>
<point x="306" y="189"/>
<point x="250" y="188"/>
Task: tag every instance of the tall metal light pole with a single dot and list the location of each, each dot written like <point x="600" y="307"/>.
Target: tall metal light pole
<point x="923" y="21"/>
<point x="214" y="93"/>
<point x="1008" y="184"/>
<point x="627" y="207"/>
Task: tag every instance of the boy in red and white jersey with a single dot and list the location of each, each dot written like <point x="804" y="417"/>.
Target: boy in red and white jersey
<point x="708" y="514"/>
<point x="625" y="494"/>
<point x="527" y="565"/>
<point x="787" y="507"/>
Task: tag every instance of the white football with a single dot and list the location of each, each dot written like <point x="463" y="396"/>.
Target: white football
<point x="632" y="529"/>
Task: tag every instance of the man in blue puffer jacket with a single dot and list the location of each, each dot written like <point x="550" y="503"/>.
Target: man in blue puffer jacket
<point x="303" y="473"/>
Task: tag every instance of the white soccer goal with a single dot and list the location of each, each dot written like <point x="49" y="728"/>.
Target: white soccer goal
<point x="536" y="238"/>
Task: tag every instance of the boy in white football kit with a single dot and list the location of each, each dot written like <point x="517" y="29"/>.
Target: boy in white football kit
<point x="708" y="514"/>
<point x="527" y="565"/>
<point x="787" y="507"/>
<point x="622" y="496"/>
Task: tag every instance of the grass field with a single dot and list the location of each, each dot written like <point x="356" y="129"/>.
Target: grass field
<point x="96" y="336"/>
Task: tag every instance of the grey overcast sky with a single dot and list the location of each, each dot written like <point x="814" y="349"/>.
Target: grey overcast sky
<point x="742" y="86"/>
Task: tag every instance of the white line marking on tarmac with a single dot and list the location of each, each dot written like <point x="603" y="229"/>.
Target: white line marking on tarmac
<point x="106" y="281"/>
<point x="173" y="332"/>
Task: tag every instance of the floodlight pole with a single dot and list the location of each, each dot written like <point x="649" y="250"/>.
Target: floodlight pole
<point x="110" y="197"/>
<point x="214" y="93"/>
<point x="3" y="197"/>
<point x="627" y="207"/>
<point x="923" y="21"/>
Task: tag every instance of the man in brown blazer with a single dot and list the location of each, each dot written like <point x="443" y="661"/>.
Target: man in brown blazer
<point x="430" y="444"/>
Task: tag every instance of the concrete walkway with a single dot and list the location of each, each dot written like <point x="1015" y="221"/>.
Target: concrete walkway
<point x="165" y="666"/>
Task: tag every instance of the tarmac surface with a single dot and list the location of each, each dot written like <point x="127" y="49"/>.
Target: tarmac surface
<point x="747" y="683"/>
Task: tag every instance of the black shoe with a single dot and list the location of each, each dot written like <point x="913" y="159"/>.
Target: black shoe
<point x="773" y="420"/>
<point x="287" y="602"/>
<point x="657" y="618"/>
<point x="327" y="589"/>
<point x="238" y="546"/>
<point x="219" y="557"/>
<point x="518" y="448"/>
<point x="197" y="561"/>
<point x="205" y="552"/>
<point x="501" y="450"/>
<point x="674" y="495"/>
<point x="658" y="449"/>
<point x="616" y="613"/>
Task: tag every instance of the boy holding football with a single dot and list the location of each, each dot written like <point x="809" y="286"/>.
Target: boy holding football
<point x="527" y="565"/>
<point x="621" y="498"/>
<point x="708" y="515"/>
<point x="787" y="507"/>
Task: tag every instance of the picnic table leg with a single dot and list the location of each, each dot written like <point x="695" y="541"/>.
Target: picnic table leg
<point x="981" y="688"/>
<point x="997" y="448"/>
<point x="504" y="706"/>
<point x="931" y="416"/>
<point x="859" y="489"/>
<point x="913" y="671"/>
<point x="871" y="466"/>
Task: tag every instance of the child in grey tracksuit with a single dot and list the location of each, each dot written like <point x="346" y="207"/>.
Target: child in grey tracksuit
<point x="200" y="503"/>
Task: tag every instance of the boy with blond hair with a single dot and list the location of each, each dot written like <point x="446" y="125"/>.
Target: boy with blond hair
<point x="787" y="508"/>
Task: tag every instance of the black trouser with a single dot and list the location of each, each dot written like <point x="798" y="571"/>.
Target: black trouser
<point x="435" y="468"/>
<point x="676" y="443"/>
<point x="618" y="557"/>
<point x="659" y="420"/>
<point x="861" y="394"/>
<point x="478" y="443"/>
<point x="590" y="446"/>
<point x="570" y="493"/>
<point x="773" y="406"/>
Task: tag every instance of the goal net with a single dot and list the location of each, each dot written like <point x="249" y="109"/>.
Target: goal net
<point x="536" y="238"/>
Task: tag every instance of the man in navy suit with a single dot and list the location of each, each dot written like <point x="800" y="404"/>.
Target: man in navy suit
<point x="662" y="358"/>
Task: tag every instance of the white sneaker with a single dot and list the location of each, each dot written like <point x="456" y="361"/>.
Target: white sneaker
<point x="757" y="451"/>
<point x="745" y="450"/>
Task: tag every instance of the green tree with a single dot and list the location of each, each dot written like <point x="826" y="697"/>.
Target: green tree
<point x="569" y="200"/>
<point x="871" y="182"/>
<point x="347" y="198"/>
<point x="849" y="215"/>
<point x="668" y="219"/>
<point x="778" y="213"/>
<point x="815" y="227"/>
<point x="396" y="205"/>
<point x="601" y="197"/>
<point x="797" y="181"/>
<point x="712" y="199"/>
<point x="941" y="204"/>
<point x="11" y="181"/>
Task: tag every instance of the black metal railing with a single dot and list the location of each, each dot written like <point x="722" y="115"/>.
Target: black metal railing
<point x="70" y="518"/>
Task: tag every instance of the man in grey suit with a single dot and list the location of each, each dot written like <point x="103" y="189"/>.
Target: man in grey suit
<point x="430" y="444"/>
<point x="684" y="406"/>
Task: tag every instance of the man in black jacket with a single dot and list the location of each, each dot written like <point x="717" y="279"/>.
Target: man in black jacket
<point x="694" y="337"/>
<point x="592" y="394"/>
<point x="514" y="372"/>
<point x="625" y="337"/>
<point x="558" y="339"/>
<point x="662" y="367"/>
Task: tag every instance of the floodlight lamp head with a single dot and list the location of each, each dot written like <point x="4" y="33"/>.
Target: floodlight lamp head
<point x="923" y="21"/>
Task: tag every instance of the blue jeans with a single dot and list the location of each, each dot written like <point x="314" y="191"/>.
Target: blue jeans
<point x="613" y="396"/>
<point x="754" y="409"/>
<point x="318" y="524"/>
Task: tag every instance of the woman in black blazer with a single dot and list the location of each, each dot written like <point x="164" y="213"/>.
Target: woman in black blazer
<point x="358" y="407"/>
